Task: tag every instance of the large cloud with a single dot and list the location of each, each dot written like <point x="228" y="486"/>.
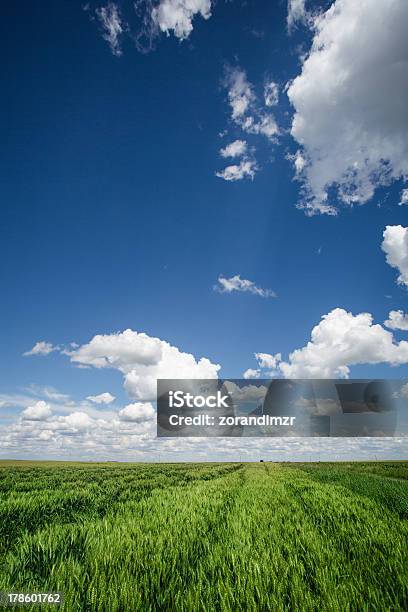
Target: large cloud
<point x="142" y="359"/>
<point x="119" y="351"/>
<point x="351" y="102"/>
<point x="395" y="247"/>
<point x="339" y="341"/>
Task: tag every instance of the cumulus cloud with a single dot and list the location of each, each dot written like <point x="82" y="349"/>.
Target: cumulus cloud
<point x="76" y="420"/>
<point x="351" y="103"/>
<point x="38" y="412"/>
<point x="395" y="247"/>
<point x="177" y="15"/>
<point x="341" y="340"/>
<point x="142" y="359"/>
<point x="131" y="434"/>
<point x="237" y="172"/>
<point x="102" y="398"/>
<point x="404" y="197"/>
<point x="137" y="412"/>
<point x="41" y="348"/>
<point x="112" y="26"/>
<point x="119" y="350"/>
<point x="236" y="283"/>
<point x="397" y="319"/>
<point x="234" y="149"/>
<point x="115" y="438"/>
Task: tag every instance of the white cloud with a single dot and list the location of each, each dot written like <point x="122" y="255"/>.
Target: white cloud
<point x="38" y="412"/>
<point x="112" y="26"/>
<point x="234" y="149"/>
<point x="45" y="435"/>
<point x="76" y="420"/>
<point x="397" y="319"/>
<point x="178" y="15"/>
<point x="351" y="102"/>
<point x="265" y="360"/>
<point x="299" y="163"/>
<point x="102" y="398"/>
<point x="142" y="359"/>
<point x="119" y="350"/>
<point x="83" y="435"/>
<point x="236" y="283"/>
<point x="237" y="172"/>
<point x="404" y="390"/>
<point x="271" y="93"/>
<point x="251" y="373"/>
<point x="296" y="13"/>
<point x="79" y="438"/>
<point x="395" y="247"/>
<point x="404" y="197"/>
<point x="41" y="348"/>
<point x="245" y="110"/>
<point x="240" y="93"/>
<point x="265" y="125"/>
<point x="137" y="412"/>
<point x="341" y="340"/>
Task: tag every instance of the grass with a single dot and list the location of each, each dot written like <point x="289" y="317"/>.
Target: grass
<point x="204" y="537"/>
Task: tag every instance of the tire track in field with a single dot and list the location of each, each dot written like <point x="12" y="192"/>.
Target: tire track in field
<point x="337" y="526"/>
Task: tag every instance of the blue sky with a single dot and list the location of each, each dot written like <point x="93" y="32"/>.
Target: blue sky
<point x="113" y="216"/>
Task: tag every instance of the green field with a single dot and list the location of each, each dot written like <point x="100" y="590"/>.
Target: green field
<point x="191" y="537"/>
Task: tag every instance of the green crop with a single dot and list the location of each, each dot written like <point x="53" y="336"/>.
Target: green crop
<point x="207" y="537"/>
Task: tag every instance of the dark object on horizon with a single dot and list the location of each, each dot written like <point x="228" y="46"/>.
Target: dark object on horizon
<point x="261" y="461"/>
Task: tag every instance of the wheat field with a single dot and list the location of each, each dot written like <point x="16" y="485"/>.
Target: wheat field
<point x="204" y="537"/>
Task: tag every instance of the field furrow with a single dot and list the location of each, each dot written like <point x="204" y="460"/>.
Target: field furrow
<point x="207" y="537"/>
